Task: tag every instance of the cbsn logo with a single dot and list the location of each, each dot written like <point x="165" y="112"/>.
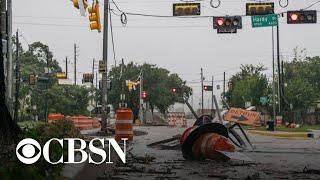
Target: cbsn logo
<point x="28" y="146"/>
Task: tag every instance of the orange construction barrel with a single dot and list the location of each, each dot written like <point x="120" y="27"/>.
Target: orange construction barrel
<point x="124" y="122"/>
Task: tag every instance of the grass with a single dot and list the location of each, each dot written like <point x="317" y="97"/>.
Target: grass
<point x="304" y="128"/>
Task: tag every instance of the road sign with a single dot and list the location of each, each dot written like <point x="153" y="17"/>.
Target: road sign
<point x="263" y="100"/>
<point x="264" y="20"/>
<point x="242" y="116"/>
<point x="90" y="108"/>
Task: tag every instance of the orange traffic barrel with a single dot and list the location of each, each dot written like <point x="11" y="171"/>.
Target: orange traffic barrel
<point x="124" y="122"/>
<point x="209" y="145"/>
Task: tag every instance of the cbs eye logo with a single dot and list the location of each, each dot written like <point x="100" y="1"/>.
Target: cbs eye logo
<point x="28" y="151"/>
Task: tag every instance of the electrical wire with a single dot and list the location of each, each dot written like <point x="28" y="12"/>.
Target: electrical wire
<point x="285" y="4"/>
<point x="311" y="5"/>
<point x="112" y="37"/>
<point x="215" y="6"/>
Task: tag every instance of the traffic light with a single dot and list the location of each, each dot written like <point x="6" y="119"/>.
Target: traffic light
<point x="207" y="88"/>
<point x="253" y="9"/>
<point x="87" y="78"/>
<point x="186" y="9"/>
<point x="144" y="95"/>
<point x="174" y="90"/>
<point x="61" y="75"/>
<point x="32" y="79"/>
<point x="302" y="17"/>
<point x="76" y="3"/>
<point x="102" y="67"/>
<point x="227" y="21"/>
<point x="227" y="24"/>
<point x="94" y="17"/>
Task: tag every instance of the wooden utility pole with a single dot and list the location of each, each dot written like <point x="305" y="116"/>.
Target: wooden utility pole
<point x="75" y="64"/>
<point x="17" y="72"/>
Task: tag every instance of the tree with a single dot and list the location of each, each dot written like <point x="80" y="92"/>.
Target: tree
<point x="247" y="85"/>
<point x="68" y="99"/>
<point x="158" y="83"/>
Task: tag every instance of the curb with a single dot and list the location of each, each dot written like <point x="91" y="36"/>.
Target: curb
<point x="282" y="134"/>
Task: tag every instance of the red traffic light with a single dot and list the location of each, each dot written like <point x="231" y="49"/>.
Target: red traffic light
<point x="220" y="21"/>
<point x="294" y="16"/>
<point x="207" y="88"/>
<point x="174" y="90"/>
<point x="144" y="94"/>
<point x="302" y="17"/>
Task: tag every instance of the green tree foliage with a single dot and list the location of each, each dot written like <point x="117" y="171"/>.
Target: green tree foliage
<point x="302" y="77"/>
<point x="248" y="85"/>
<point x="68" y="99"/>
<point x="158" y="83"/>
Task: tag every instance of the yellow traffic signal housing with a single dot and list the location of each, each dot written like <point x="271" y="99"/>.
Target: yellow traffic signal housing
<point x="61" y="75"/>
<point x="32" y="79"/>
<point x="94" y="17"/>
<point x="186" y="9"/>
<point x="259" y="8"/>
<point x="76" y="3"/>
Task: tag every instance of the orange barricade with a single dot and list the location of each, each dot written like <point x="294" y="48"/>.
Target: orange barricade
<point x="124" y="122"/>
<point x="55" y="117"/>
<point x="177" y="119"/>
<point x="84" y="122"/>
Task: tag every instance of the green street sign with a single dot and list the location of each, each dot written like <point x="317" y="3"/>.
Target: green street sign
<point x="263" y="100"/>
<point x="265" y="20"/>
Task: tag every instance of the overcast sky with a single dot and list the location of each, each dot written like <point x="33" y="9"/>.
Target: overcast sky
<point x="181" y="45"/>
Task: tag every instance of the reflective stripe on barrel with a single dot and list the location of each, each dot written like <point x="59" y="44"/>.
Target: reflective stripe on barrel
<point x="123" y="125"/>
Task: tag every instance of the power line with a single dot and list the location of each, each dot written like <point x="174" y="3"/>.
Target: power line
<point x="112" y="38"/>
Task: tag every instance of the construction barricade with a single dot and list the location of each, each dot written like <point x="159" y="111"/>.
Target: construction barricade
<point x="177" y="119"/>
<point x="123" y="128"/>
<point x="55" y="117"/>
<point x="84" y="122"/>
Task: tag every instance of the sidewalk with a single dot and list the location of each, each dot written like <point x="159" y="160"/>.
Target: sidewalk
<point x="282" y="134"/>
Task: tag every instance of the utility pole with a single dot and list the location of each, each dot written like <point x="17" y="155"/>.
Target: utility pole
<point x="273" y="80"/>
<point x="201" y="91"/>
<point x="16" y="106"/>
<point x="224" y="84"/>
<point x="140" y="97"/>
<point x="279" y="72"/>
<point x="105" y="74"/>
<point x="75" y="64"/>
<point x="212" y="97"/>
<point x="282" y="84"/>
<point x="67" y="67"/>
<point x="47" y="84"/>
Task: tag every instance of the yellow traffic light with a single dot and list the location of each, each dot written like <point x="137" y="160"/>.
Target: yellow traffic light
<point x="94" y="17"/>
<point x="76" y="3"/>
<point x="61" y="75"/>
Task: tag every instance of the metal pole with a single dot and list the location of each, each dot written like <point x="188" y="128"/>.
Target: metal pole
<point x="75" y="64"/>
<point x="9" y="51"/>
<point x="104" y="75"/>
<point x="279" y="71"/>
<point x="67" y="67"/>
<point x="47" y="84"/>
<point x="212" y="97"/>
<point x="201" y="91"/>
<point x="224" y="83"/>
<point x="140" y="97"/>
<point x="16" y="106"/>
<point x="273" y="80"/>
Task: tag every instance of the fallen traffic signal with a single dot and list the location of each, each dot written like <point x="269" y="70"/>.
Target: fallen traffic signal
<point x="253" y="9"/>
<point x="302" y="17"/>
<point x="207" y="88"/>
<point x="186" y="9"/>
<point x="94" y="17"/>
